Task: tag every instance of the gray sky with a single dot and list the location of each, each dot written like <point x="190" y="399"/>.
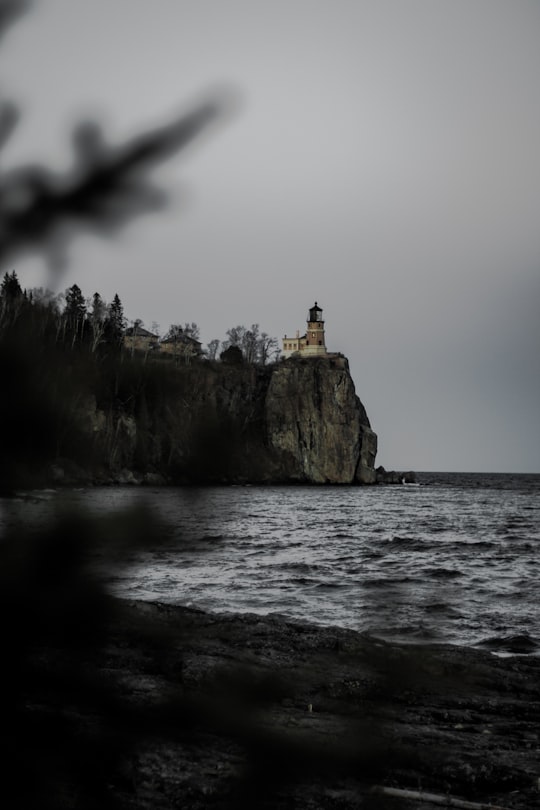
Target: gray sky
<point x="384" y="160"/>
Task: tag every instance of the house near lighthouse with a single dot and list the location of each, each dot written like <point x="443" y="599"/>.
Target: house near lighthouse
<point x="312" y="343"/>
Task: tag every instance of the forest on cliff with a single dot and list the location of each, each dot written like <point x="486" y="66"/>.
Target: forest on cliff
<point x="75" y="387"/>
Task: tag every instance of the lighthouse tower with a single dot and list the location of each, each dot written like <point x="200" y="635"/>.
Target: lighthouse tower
<point x="312" y="344"/>
<point x="315" y="344"/>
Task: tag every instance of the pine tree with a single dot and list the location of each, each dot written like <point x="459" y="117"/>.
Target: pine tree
<point x="115" y="323"/>
<point x="10" y="289"/>
<point x="75" y="310"/>
<point x="12" y="299"/>
<point x="74" y="314"/>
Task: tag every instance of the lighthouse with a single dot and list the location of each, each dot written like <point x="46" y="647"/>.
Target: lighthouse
<point x="312" y="344"/>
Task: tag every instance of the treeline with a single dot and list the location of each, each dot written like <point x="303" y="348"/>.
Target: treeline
<point x="92" y="323"/>
<point x="67" y="319"/>
<point x="76" y="392"/>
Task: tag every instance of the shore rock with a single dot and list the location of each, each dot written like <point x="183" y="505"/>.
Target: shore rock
<point x="383" y="476"/>
<point x="282" y="714"/>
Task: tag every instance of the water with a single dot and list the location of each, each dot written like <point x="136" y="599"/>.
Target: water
<point x="452" y="559"/>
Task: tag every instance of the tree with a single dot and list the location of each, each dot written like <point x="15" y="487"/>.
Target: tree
<point x="75" y="310"/>
<point x="212" y="348"/>
<point x="115" y="322"/>
<point x="99" y="308"/>
<point x="256" y="346"/>
<point x="11" y="299"/>
<point x="10" y="290"/>
<point x="235" y="337"/>
<point x="268" y="348"/>
<point x="192" y="330"/>
<point x="45" y="298"/>
<point x="97" y="319"/>
<point x="189" y="330"/>
<point x="75" y="313"/>
<point x="251" y="343"/>
<point x="174" y="332"/>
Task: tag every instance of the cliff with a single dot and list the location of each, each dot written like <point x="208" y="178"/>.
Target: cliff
<point x="298" y="421"/>
<point x="317" y="425"/>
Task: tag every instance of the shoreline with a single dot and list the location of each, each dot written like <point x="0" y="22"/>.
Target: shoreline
<point x="351" y="712"/>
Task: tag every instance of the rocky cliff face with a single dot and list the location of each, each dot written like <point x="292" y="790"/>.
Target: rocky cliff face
<point x="317" y="425"/>
<point x="298" y="421"/>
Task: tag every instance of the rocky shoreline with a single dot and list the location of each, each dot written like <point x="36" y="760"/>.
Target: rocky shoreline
<point x="70" y="475"/>
<point x="226" y="711"/>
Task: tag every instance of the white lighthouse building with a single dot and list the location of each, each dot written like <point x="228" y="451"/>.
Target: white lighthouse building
<point x="312" y="343"/>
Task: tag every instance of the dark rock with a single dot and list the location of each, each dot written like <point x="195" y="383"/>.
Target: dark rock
<point x="383" y="476"/>
<point x="310" y="717"/>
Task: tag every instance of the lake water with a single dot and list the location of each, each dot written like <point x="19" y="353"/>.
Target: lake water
<point x="454" y="558"/>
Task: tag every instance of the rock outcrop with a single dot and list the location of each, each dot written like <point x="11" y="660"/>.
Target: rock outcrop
<point x="317" y="425"/>
<point x="297" y="421"/>
<point x="179" y="708"/>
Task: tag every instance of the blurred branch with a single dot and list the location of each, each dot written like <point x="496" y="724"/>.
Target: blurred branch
<point x="9" y="116"/>
<point x="107" y="188"/>
<point x="10" y="10"/>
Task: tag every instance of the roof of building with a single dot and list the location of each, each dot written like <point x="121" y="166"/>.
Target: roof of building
<point x="139" y="331"/>
<point x="181" y="338"/>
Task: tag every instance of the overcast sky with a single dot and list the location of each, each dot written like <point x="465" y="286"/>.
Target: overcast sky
<point x="383" y="160"/>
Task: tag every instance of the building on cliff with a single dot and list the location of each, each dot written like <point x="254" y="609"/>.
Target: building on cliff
<point x="139" y="338"/>
<point x="181" y="345"/>
<point x="176" y="342"/>
<point x="312" y="343"/>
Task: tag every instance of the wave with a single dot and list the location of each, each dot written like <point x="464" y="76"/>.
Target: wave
<point x="408" y="543"/>
<point x="521" y="643"/>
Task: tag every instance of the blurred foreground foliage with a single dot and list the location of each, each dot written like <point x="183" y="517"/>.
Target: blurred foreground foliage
<point x="72" y="732"/>
<point x="79" y="717"/>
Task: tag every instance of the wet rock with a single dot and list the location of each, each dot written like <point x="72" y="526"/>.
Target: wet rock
<point x="383" y="476"/>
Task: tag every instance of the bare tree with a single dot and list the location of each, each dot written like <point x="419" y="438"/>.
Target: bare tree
<point x="212" y="349"/>
<point x="250" y="343"/>
<point x="235" y="337"/>
<point x="256" y="346"/>
<point x="268" y="348"/>
<point x="97" y="317"/>
<point x="192" y="330"/>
